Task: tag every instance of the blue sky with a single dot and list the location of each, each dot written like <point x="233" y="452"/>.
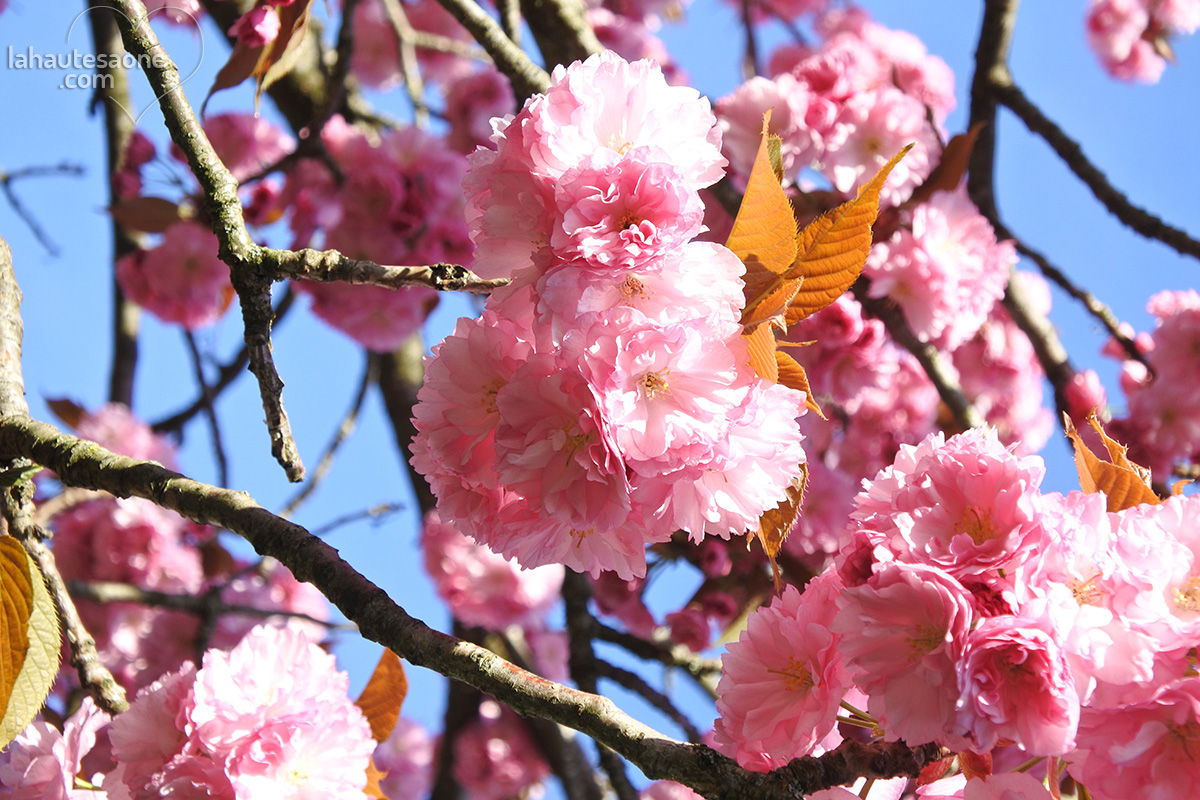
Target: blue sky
<point x="1143" y="137"/>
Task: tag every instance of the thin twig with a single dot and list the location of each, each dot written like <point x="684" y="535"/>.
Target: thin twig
<point x="344" y="429"/>
<point x="199" y="605"/>
<point x="1090" y="302"/>
<point x="226" y="375"/>
<point x="112" y="92"/>
<point x="26" y="216"/>
<point x="206" y="396"/>
<point x="409" y="66"/>
<point x="930" y="358"/>
<point x="750" y="65"/>
<point x="585" y="669"/>
<point x="400" y="375"/>
<point x="374" y="513"/>
<point x="704" y="671"/>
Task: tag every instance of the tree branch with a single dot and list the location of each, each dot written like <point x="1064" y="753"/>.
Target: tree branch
<point x="1132" y="216"/>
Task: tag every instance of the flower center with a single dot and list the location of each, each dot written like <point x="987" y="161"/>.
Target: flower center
<point x="653" y="384"/>
<point x="976" y="524"/>
<point x="796" y="675"/>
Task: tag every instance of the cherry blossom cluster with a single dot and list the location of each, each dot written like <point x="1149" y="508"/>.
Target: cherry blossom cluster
<point x="398" y="202"/>
<point x="1130" y="37"/>
<point x="135" y="542"/>
<point x="845" y="105"/>
<point x="270" y="718"/>
<point x="1162" y="421"/>
<point x="181" y="280"/>
<point x="605" y="398"/>
<point x="970" y="609"/>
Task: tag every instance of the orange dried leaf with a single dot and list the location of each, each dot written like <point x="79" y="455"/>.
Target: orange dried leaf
<point x="764" y="233"/>
<point x="1124" y="483"/>
<point x="762" y="348"/>
<point x="374" y="776"/>
<point x="792" y="375"/>
<point x="29" y="640"/>
<point x="831" y="251"/>
<point x="383" y="695"/>
<point x="16" y="594"/>
<point x="775" y="524"/>
<point x="948" y="174"/>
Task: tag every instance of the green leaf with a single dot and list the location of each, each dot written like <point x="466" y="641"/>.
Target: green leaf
<point x="29" y="640"/>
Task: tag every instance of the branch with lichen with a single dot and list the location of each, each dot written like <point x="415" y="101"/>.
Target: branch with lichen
<point x="17" y="502"/>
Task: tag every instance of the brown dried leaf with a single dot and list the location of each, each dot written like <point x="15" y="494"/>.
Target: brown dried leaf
<point x="762" y="348"/>
<point x="948" y="174"/>
<point x="775" y="524"/>
<point x="146" y="214"/>
<point x="383" y="695"/>
<point x="792" y="375"/>
<point x="764" y="237"/>
<point x="1124" y="483"/>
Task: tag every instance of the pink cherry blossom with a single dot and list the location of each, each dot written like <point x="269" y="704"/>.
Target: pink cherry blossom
<point x="872" y="127"/>
<point x="471" y="103"/>
<point x="246" y="143"/>
<point x="903" y="634"/>
<point x="482" y="587"/>
<point x="495" y="757"/>
<point x="1115" y="30"/>
<point x="270" y="587"/>
<point x="782" y="681"/>
<point x="406" y="758"/>
<point x="741" y="120"/>
<point x="556" y="448"/>
<point x="1015" y="684"/>
<point x="181" y="280"/>
<point x="1145" y="749"/>
<point x="947" y="272"/>
<point x="378" y="318"/>
<point x="41" y="763"/>
<point x="269" y="718"/>
<point x="619" y="211"/>
<point x="257" y="27"/>
<point x="667" y="790"/>
<point x="965" y="505"/>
